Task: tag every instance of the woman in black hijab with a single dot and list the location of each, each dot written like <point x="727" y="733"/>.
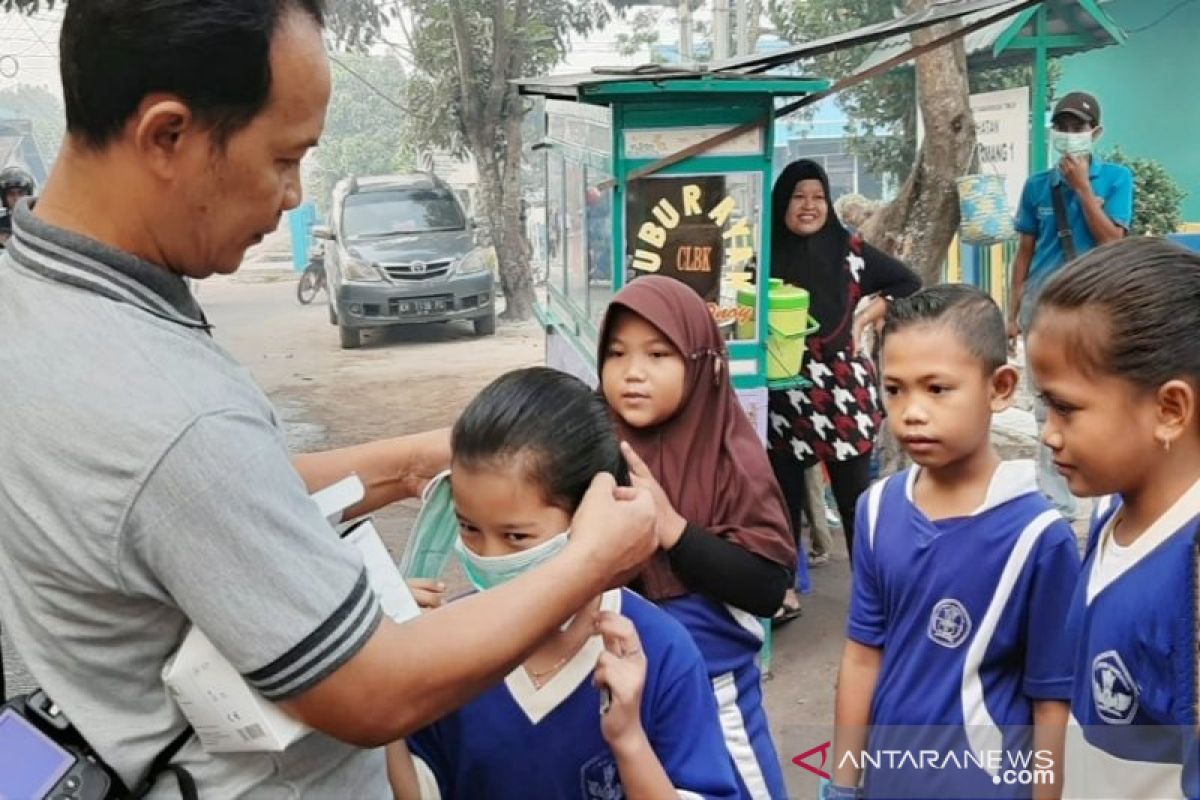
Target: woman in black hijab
<point x="835" y="421"/>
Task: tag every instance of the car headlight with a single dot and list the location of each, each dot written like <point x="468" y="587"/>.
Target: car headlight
<point x="481" y="259"/>
<point x="359" y="271"/>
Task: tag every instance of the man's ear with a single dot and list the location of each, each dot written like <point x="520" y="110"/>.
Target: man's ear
<point x="161" y="128"/>
<point x="1097" y="132"/>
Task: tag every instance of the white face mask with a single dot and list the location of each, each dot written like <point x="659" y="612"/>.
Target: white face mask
<point x="1073" y="144"/>
<point x="487" y="572"/>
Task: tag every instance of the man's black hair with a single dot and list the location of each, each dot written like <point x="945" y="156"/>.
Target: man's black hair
<point x="967" y="311"/>
<point x="213" y="54"/>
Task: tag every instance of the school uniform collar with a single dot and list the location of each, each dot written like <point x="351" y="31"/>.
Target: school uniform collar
<point x="67" y="257"/>
<point x="1176" y="517"/>
<point x="538" y="703"/>
<point x="1011" y="479"/>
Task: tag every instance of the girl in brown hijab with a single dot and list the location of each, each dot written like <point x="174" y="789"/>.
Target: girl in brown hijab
<point x="726" y="550"/>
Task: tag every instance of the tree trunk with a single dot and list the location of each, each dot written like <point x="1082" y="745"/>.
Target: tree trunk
<point x="500" y="195"/>
<point x="512" y="248"/>
<point x="919" y="225"/>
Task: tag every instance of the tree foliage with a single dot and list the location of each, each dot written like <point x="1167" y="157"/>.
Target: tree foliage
<point x="365" y="128"/>
<point x="464" y="55"/>
<point x="882" y="116"/>
<point x="1157" y="197"/>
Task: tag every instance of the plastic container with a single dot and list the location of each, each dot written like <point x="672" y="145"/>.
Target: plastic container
<point x="788" y="326"/>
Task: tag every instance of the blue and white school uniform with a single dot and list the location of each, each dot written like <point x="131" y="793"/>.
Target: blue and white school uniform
<point x="730" y="640"/>
<point x="517" y="742"/>
<point x="969" y="615"/>
<point x="1133" y="718"/>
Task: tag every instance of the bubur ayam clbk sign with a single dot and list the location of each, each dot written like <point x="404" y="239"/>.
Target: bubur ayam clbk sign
<point x="686" y="228"/>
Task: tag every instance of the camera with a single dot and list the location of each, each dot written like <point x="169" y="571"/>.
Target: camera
<point x="43" y="756"/>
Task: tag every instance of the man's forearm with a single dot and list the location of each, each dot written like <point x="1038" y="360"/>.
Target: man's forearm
<point x="390" y="469"/>
<point x="420" y="671"/>
<point x="1019" y="273"/>
<point x="1103" y="229"/>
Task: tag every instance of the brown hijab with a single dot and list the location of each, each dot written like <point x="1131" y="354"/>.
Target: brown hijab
<point x="707" y="457"/>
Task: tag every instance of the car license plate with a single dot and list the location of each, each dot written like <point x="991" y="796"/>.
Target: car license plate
<point x="423" y="306"/>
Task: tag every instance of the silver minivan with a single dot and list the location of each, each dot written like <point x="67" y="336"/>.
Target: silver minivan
<point x="400" y="250"/>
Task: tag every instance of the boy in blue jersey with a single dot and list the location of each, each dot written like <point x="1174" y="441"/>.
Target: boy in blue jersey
<point x="955" y="675"/>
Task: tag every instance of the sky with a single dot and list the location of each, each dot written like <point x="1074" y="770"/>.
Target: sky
<point x="30" y="44"/>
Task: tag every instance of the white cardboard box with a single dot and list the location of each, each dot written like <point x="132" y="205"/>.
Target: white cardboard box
<point x="229" y="716"/>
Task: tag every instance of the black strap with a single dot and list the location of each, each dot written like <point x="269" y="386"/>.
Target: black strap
<point x="162" y="764"/>
<point x="1065" y="238"/>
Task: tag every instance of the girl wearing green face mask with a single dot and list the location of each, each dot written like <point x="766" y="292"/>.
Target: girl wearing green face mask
<point x="618" y="700"/>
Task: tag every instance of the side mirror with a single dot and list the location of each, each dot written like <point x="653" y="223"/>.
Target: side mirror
<point x="324" y="233"/>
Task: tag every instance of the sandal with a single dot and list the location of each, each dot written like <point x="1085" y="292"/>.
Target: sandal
<point x="786" y="614"/>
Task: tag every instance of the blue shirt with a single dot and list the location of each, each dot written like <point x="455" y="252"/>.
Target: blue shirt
<point x="1112" y="183"/>
<point x="969" y="615"/>
<point x="516" y="742"/>
<point x="1134" y="619"/>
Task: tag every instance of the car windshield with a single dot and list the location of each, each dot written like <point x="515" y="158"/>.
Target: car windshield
<point x="400" y="211"/>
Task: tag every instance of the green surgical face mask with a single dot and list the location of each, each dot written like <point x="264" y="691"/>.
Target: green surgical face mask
<point x="1073" y="144"/>
<point x="431" y="542"/>
<point x="487" y="572"/>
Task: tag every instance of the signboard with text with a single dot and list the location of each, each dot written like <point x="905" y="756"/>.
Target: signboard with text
<point x="1002" y="130"/>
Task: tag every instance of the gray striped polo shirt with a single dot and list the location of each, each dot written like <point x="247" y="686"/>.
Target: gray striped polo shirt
<point x="145" y="485"/>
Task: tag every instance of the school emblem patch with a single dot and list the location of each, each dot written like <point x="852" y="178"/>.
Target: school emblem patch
<point x="1114" y="691"/>
<point x="949" y="624"/>
<point x="600" y="779"/>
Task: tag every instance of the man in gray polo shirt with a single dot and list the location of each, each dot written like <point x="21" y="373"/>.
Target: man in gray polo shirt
<point x="145" y="484"/>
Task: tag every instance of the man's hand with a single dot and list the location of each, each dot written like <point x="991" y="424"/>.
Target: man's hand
<point x="1014" y="333"/>
<point x="615" y="525"/>
<point x="1076" y="172"/>
<point x="427" y="455"/>
<point x="668" y="524"/>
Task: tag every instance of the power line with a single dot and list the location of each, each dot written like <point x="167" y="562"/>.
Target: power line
<point x="374" y="89"/>
<point x="1163" y="18"/>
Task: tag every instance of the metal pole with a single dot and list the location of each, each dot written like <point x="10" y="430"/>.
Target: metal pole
<point x="1041" y="79"/>
<point x="685" y="30"/>
<point x="720" y="30"/>
<point x="743" y="43"/>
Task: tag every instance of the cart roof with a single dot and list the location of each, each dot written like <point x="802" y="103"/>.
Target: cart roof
<point x="604" y="85"/>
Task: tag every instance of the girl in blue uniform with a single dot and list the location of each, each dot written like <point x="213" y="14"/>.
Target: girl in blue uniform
<point x="1113" y="348"/>
<point x="614" y="704"/>
<point x="726" y="553"/>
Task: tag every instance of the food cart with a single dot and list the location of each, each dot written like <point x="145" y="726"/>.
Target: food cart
<point x="704" y="220"/>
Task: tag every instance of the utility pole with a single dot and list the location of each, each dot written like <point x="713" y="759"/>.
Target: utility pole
<point x="685" y="30"/>
<point x="720" y="30"/>
<point x="744" y="44"/>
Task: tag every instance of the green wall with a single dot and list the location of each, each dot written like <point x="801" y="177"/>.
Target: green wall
<point x="1148" y="87"/>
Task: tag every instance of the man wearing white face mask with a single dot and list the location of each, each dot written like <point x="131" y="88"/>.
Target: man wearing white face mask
<point x="1065" y="211"/>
